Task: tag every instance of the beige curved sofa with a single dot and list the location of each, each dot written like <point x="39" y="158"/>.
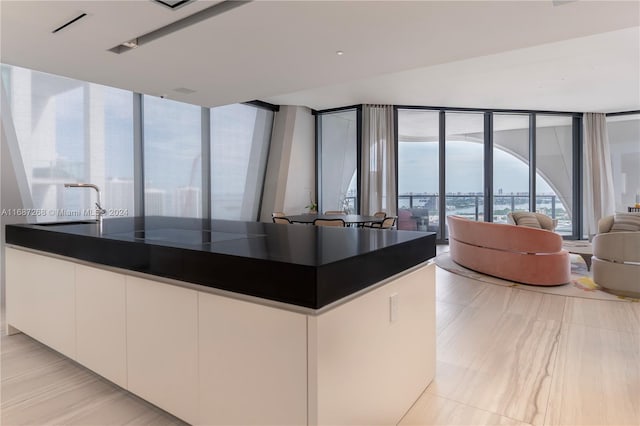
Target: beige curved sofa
<point x="516" y="253"/>
<point x="616" y="260"/>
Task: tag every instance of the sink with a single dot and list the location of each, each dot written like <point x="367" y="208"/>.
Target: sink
<point x="74" y="222"/>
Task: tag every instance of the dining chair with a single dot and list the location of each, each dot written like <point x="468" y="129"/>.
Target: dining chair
<point x="278" y="214"/>
<point x="329" y="222"/>
<point x="387" y="223"/>
<point x="379" y="215"/>
<point x="334" y="212"/>
<point x="281" y="220"/>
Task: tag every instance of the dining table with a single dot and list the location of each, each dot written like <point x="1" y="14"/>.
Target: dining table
<point x="349" y="219"/>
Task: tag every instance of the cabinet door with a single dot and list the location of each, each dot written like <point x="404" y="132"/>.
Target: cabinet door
<point x="253" y="363"/>
<point x="375" y="353"/>
<point x="162" y="345"/>
<point x="41" y="299"/>
<point x="100" y="322"/>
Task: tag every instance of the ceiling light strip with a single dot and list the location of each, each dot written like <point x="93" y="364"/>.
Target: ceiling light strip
<point x="63" y="26"/>
<point x="185" y="22"/>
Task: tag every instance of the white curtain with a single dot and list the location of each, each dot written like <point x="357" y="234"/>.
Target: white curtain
<point x="598" y="176"/>
<point x="378" y="164"/>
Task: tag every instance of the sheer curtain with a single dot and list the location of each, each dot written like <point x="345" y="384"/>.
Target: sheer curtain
<point x="378" y="163"/>
<point x="598" y="179"/>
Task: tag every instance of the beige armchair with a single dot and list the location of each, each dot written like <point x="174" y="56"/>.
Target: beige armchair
<point x="523" y="218"/>
<point x="616" y="259"/>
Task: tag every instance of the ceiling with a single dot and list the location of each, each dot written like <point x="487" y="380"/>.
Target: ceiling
<point x="576" y="56"/>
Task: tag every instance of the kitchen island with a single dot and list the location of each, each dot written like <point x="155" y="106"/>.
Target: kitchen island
<point x="224" y="322"/>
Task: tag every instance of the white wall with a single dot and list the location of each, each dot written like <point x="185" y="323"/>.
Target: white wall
<point x="301" y="179"/>
<point x="290" y="177"/>
<point x="10" y="184"/>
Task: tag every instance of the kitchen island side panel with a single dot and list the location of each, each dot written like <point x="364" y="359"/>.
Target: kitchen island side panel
<point x="372" y="357"/>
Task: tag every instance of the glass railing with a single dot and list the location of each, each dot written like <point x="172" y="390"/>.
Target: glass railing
<point x="420" y="211"/>
<point x="423" y="208"/>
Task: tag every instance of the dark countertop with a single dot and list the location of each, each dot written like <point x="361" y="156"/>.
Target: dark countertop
<point x="302" y="265"/>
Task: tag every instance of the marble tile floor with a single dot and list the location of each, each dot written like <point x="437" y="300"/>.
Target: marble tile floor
<point x="510" y="356"/>
<point x="504" y="357"/>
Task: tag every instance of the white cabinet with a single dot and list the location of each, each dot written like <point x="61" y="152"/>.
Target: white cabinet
<point x="101" y="322"/>
<point x="214" y="360"/>
<point x="372" y="357"/>
<point x="162" y="345"/>
<point x="41" y="299"/>
<point x="253" y="363"/>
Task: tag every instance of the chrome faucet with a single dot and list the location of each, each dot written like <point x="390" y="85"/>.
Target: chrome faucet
<point x="99" y="210"/>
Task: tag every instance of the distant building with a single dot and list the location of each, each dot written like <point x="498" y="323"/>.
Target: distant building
<point x="155" y="201"/>
<point x="118" y="194"/>
<point x="188" y="201"/>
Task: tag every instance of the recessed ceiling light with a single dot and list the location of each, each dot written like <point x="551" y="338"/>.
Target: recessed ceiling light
<point x="339" y="53"/>
<point x="131" y="44"/>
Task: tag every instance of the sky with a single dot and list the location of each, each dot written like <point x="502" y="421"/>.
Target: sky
<point x="418" y="169"/>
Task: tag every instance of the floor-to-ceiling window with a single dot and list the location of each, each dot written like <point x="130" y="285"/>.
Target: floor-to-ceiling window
<point x="338" y="159"/>
<point x="240" y="137"/>
<point x="464" y="169"/>
<point x="65" y="131"/>
<point x="172" y="158"/>
<point x="70" y="131"/>
<point x="119" y="185"/>
<point x="510" y="165"/>
<point x="418" y="170"/>
<point x="554" y="169"/>
<point x="464" y="148"/>
<point x="624" y="146"/>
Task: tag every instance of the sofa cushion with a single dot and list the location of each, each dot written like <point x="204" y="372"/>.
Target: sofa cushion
<point x="605" y="224"/>
<point x="546" y="222"/>
<point x="526" y="219"/>
<point x="626" y="222"/>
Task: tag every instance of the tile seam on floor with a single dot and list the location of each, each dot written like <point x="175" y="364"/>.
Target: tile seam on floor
<point x="438" y="333"/>
<point x="84" y="409"/>
<point x="481" y="409"/>
<point x="602" y="328"/>
<point x="556" y="345"/>
<point x="476" y="296"/>
<point x="414" y="404"/>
